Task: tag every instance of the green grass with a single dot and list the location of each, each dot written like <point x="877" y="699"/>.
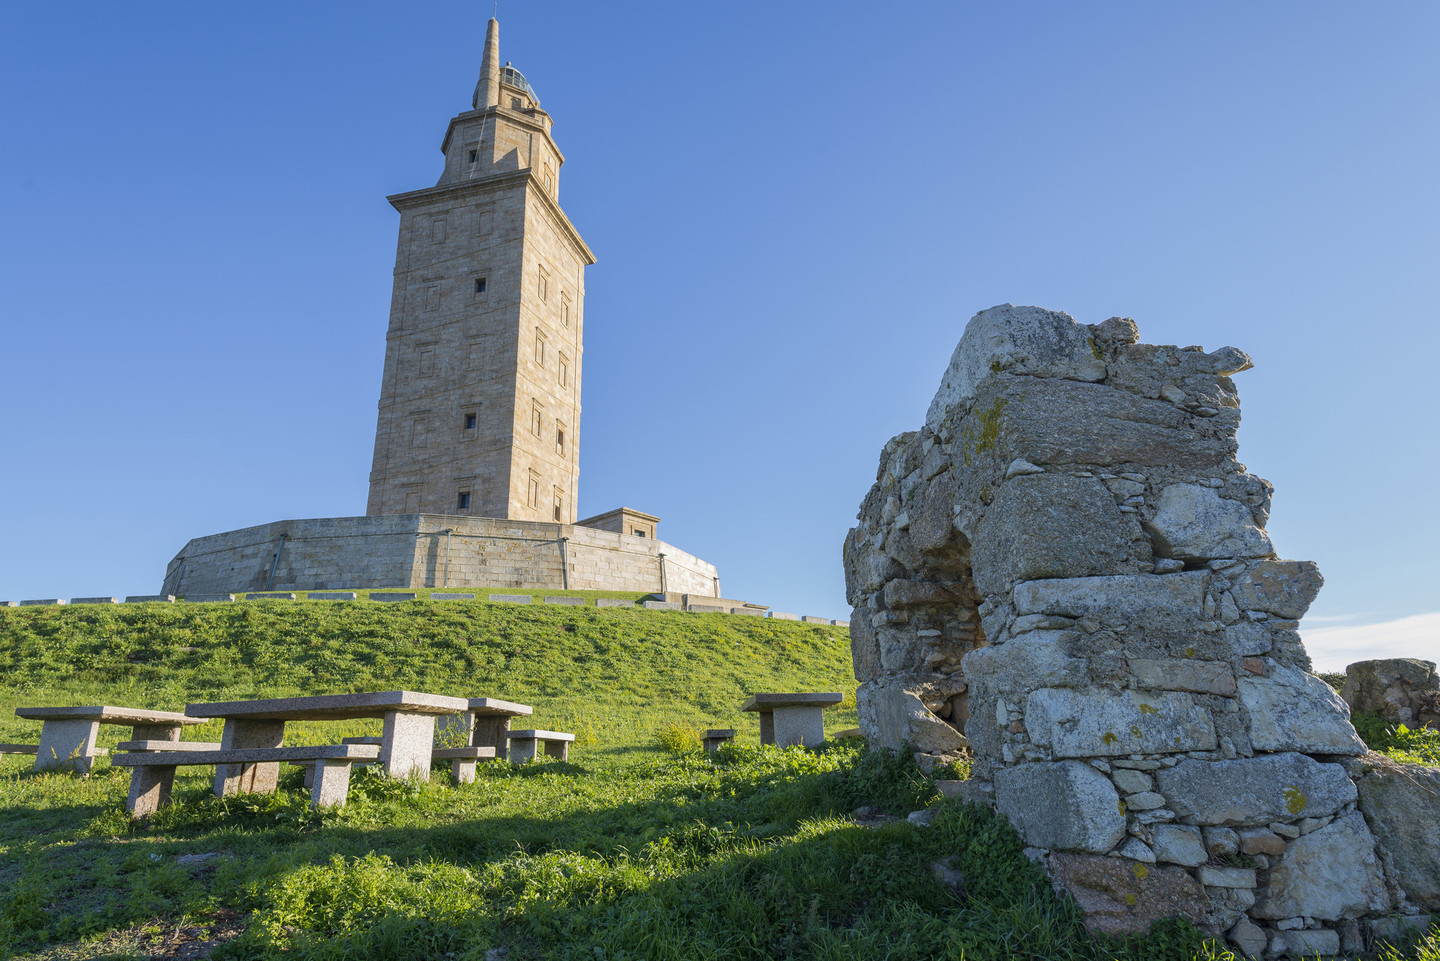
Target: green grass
<point x="638" y="847"/>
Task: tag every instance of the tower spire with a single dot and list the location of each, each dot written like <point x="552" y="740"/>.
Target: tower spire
<point x="487" y="90"/>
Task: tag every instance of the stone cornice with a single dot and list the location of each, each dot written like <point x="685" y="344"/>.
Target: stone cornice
<point x="460" y="188"/>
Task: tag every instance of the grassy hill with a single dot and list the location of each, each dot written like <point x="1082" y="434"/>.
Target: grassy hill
<point x="638" y="847"/>
<point x="612" y="676"/>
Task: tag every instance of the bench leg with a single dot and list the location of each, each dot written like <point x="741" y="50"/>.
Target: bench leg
<point x="558" y="749"/>
<point x="405" y="744"/>
<point x="492" y="731"/>
<point x="800" y="725"/>
<point x="309" y="767"/>
<point x="67" y="746"/>
<point x="463" y="769"/>
<point x="155" y="732"/>
<point x="249" y="778"/>
<point x="149" y="789"/>
<point x="767" y="727"/>
<point x="522" y="750"/>
<point x="332" y="783"/>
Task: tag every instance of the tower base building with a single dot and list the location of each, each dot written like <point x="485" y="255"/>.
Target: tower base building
<point x="477" y="442"/>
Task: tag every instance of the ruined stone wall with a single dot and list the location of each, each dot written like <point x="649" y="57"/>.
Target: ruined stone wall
<point x="1067" y="570"/>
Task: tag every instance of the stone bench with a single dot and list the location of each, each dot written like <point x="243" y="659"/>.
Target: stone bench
<point x="154" y="771"/>
<point x="787" y="719"/>
<point x="67" y="734"/>
<point x="18" y="749"/>
<point x="462" y="760"/>
<point x="718" y="736"/>
<point x="523" y="745"/>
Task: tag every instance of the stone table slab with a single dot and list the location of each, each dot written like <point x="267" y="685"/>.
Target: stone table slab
<point x="67" y="734"/>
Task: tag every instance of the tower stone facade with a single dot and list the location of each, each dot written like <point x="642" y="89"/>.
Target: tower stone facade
<point x="480" y="400"/>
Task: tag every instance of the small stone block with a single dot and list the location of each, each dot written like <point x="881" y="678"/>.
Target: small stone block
<point x="511" y="599"/>
<point x="331" y="596"/>
<point x="705" y="609"/>
<point x="748" y="611"/>
<point x="270" y="596"/>
<point x="18" y="749"/>
<point x="330" y="783"/>
<point x="567" y="601"/>
<point x="452" y="597"/>
<point x="664" y="606"/>
<point x="94" y="600"/>
<point x="852" y="732"/>
<point x="150" y="599"/>
<point x="811" y="619"/>
<point x="8" y="604"/>
<point x="840" y="623"/>
<point x="209" y="598"/>
<point x="781" y="616"/>
<point x="393" y="596"/>
<point x="43" y="602"/>
<point x="613" y="602"/>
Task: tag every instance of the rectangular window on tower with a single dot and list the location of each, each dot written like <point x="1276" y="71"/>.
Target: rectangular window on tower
<point x="564" y="308"/>
<point x="479" y="285"/>
<point x="437" y="230"/>
<point x="432" y="297"/>
<point x="532" y="497"/>
<point x="417" y="432"/>
<point x="469" y="421"/>
<point x="560" y="439"/>
<point x="564" y="371"/>
<point x="462" y="502"/>
<point x="537" y="418"/>
<point x="539" y="347"/>
<point x="559" y="505"/>
<point x="544" y="284"/>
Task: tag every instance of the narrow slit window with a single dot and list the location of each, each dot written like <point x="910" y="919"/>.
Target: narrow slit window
<point x="463" y="501"/>
<point x="479" y="285"/>
<point x="560" y="438"/>
<point x="469" y="421"/>
<point x="474" y="156"/>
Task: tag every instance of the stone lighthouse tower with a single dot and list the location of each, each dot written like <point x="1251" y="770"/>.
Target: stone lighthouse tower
<point x="480" y="399"/>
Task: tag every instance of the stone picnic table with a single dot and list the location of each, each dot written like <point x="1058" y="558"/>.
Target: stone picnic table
<point x="67" y="734"/>
<point x="486" y="722"/>
<point x="406" y="741"/>
<point x="787" y="719"/>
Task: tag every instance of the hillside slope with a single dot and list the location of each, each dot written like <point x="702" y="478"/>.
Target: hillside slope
<point x="611" y="675"/>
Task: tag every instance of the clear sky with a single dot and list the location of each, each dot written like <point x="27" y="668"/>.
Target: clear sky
<point x="795" y="207"/>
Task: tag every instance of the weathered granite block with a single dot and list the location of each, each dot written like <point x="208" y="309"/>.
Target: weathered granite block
<point x="1282" y="588"/>
<point x="1114" y="599"/>
<point x="150" y="599"/>
<point x="1255" y="791"/>
<point x="1294" y="711"/>
<point x="1079" y="723"/>
<point x="1328" y="874"/>
<point x="332" y="596"/>
<point x="663" y="606"/>
<point x="1051" y="526"/>
<point x="392" y="596"/>
<point x="613" y="602"/>
<point x="567" y="601"/>
<point x="1062" y="805"/>
<point x="94" y="600"/>
<point x="208" y="598"/>
<point x="270" y="596"/>
<point x="1401" y="803"/>
<point x="1195" y="523"/>
<point x="43" y="602"/>
<point x="780" y="616"/>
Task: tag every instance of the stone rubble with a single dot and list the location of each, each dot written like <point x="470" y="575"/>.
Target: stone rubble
<point x="1065" y="572"/>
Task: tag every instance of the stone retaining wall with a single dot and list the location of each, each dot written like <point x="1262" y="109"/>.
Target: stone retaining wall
<point x="414" y="550"/>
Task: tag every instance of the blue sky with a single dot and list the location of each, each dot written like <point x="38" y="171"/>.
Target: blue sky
<point x="795" y="208"/>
